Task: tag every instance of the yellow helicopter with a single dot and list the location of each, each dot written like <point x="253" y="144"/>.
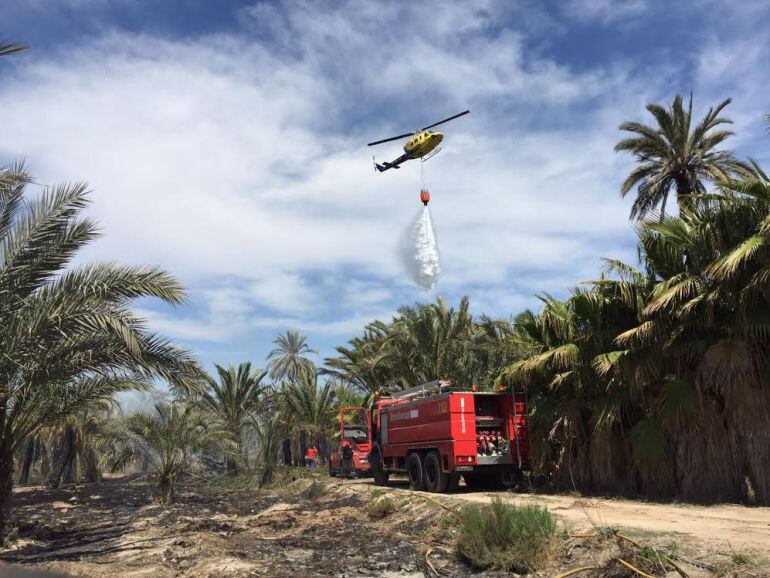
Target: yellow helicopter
<point x="422" y="145"/>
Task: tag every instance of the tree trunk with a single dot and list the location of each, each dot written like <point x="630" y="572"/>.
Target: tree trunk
<point x="286" y="451"/>
<point x="166" y="489"/>
<point x="71" y="470"/>
<point x="267" y="476"/>
<point x="302" y="447"/>
<point x="42" y="454"/>
<point x="63" y="456"/>
<point x="91" y="472"/>
<point x="682" y="191"/>
<point x="29" y="457"/>
<point x="6" y="488"/>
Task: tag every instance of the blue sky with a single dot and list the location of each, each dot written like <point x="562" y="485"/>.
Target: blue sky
<point x="225" y="141"/>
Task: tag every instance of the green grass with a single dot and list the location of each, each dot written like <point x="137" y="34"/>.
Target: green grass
<point x="503" y="536"/>
<point x="607" y="532"/>
<point x="315" y="490"/>
<point x="380" y="506"/>
<point x="376" y="493"/>
<point x="447" y="521"/>
<point x="740" y="559"/>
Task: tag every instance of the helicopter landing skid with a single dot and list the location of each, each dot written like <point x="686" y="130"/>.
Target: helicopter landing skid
<point x="432" y="154"/>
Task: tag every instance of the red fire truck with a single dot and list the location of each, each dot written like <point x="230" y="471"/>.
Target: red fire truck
<point x="436" y="432"/>
<point x="354" y="431"/>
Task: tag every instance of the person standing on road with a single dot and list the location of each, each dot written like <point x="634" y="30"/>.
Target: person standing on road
<point x="310" y="458"/>
<point x="347" y="469"/>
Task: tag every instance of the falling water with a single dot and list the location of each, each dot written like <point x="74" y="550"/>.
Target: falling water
<point x="420" y="251"/>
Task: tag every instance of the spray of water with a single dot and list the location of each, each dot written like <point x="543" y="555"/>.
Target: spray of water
<point x="420" y="251"/>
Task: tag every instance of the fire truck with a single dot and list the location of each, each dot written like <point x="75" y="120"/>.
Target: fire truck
<point x="437" y="432"/>
<point x="354" y="431"/>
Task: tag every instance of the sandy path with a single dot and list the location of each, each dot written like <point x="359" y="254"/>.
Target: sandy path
<point x="723" y="527"/>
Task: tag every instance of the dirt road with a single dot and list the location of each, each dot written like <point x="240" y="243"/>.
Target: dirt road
<point x="723" y="527"/>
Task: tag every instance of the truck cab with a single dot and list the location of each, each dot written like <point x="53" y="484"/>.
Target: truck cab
<point x="355" y="428"/>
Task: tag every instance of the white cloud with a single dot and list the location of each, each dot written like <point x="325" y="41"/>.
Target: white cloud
<point x="604" y="11"/>
<point x="237" y="160"/>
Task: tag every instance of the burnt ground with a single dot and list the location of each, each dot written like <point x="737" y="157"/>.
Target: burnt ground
<point x="114" y="528"/>
<point x="300" y="527"/>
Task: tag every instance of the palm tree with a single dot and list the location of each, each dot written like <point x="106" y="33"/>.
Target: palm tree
<point x="268" y="429"/>
<point x="233" y="400"/>
<point x="289" y="359"/>
<point x="671" y="156"/>
<point x="422" y="343"/>
<point x="72" y="442"/>
<point x="308" y="409"/>
<point x="67" y="335"/>
<point x="363" y="364"/>
<point x="167" y="439"/>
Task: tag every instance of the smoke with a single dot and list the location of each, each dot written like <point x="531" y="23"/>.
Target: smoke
<point x="420" y="251"/>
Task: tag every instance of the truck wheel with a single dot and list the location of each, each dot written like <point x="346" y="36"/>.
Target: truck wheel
<point x="435" y="480"/>
<point x="378" y="471"/>
<point x="414" y="469"/>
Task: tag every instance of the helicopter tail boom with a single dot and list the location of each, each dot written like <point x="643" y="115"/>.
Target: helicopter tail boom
<point x="390" y="165"/>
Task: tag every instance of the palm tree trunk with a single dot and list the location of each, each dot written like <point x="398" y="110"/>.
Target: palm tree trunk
<point x="63" y="456"/>
<point x="267" y="475"/>
<point x="91" y="472"/>
<point x="302" y="447"/>
<point x="29" y="457"/>
<point x="682" y="191"/>
<point x="6" y="487"/>
<point x="166" y="489"/>
<point x="71" y="470"/>
<point x="286" y="451"/>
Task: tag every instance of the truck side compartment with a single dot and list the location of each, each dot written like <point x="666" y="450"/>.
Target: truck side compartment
<point x="436" y="433"/>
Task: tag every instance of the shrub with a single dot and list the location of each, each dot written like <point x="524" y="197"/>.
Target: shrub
<point x="504" y="536"/>
<point x="315" y="490"/>
<point x="379" y="507"/>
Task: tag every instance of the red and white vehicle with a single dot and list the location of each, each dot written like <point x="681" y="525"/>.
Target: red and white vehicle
<point x="355" y="427"/>
<point x="436" y="432"/>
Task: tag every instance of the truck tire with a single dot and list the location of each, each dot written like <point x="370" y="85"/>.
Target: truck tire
<point x="378" y="471"/>
<point x="436" y="481"/>
<point x="414" y="470"/>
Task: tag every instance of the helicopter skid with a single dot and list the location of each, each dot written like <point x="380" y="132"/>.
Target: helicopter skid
<point x="432" y="154"/>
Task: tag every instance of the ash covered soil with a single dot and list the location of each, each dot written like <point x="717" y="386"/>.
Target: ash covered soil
<point x="300" y="527"/>
<point x="114" y="528"/>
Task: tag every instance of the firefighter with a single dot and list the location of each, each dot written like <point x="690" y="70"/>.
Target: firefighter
<point x="310" y="458"/>
<point x="347" y="469"/>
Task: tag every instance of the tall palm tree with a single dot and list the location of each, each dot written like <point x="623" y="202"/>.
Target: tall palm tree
<point x="268" y="427"/>
<point x="167" y="439"/>
<point x="289" y="359"/>
<point x="72" y="442"/>
<point x="674" y="155"/>
<point x="363" y="364"/>
<point x="237" y="395"/>
<point x="67" y="334"/>
<point x="309" y="408"/>
<point x="425" y="342"/>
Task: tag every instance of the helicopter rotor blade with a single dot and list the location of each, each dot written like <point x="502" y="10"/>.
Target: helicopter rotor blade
<point x="406" y="134"/>
<point x="446" y="120"/>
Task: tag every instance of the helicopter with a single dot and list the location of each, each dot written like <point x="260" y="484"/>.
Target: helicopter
<point x="423" y="144"/>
